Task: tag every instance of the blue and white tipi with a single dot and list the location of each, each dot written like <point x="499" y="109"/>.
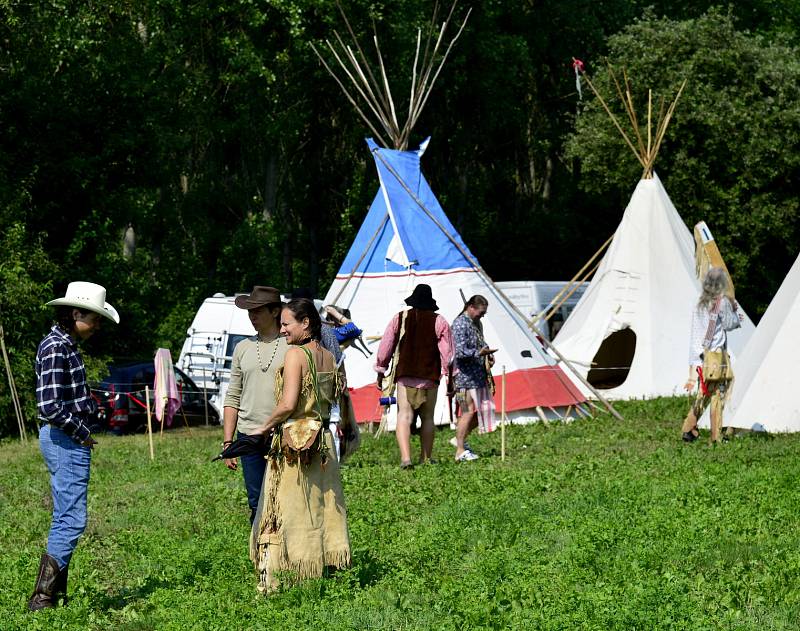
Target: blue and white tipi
<point x="406" y="238"/>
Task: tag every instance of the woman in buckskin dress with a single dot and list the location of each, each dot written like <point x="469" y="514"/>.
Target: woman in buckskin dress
<point x="301" y="523"/>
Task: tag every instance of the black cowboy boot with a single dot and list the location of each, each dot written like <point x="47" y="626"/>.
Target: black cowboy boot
<point x="43" y="592"/>
<point x="60" y="586"/>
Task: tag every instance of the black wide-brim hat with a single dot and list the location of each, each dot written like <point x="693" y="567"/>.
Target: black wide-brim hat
<point x="251" y="445"/>
<point x="260" y="296"/>
<point x="422" y="298"/>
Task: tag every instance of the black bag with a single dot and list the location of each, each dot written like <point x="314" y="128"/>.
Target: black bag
<point x="251" y="445"/>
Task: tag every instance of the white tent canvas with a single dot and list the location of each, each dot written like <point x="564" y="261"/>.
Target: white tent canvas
<point x="764" y="395"/>
<point x="629" y="334"/>
<point x="406" y="239"/>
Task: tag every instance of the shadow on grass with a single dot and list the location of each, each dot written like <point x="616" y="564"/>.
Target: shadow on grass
<point x="367" y="569"/>
<point x="121" y="598"/>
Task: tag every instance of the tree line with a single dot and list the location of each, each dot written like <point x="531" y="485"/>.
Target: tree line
<point x="170" y="150"/>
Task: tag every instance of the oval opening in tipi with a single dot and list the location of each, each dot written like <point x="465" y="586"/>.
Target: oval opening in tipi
<point x="612" y="362"/>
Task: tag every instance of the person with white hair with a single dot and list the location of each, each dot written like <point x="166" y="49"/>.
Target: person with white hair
<point x="709" y="362"/>
<point x="65" y="406"/>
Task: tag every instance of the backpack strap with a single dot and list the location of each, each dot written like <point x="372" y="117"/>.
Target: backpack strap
<point x="713" y="316"/>
<point x="388" y="388"/>
<point x="312" y="370"/>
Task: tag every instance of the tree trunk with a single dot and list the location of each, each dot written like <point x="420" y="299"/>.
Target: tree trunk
<point x="287" y="264"/>
<point x="270" y="187"/>
<point x="313" y="257"/>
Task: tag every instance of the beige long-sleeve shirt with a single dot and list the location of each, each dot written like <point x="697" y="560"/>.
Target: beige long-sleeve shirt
<point x="251" y="390"/>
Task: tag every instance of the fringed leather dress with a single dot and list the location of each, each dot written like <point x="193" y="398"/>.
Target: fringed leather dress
<point x="301" y="523"/>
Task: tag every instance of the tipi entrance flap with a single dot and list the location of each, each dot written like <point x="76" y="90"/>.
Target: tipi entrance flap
<point x="612" y="362"/>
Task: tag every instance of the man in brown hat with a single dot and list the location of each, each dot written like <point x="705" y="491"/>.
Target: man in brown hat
<point x="420" y="345"/>
<point x="250" y="399"/>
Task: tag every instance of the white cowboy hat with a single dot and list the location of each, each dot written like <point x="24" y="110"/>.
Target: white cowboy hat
<point x="87" y="296"/>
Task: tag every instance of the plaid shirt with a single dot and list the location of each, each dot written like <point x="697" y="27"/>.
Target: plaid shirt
<point x="62" y="394"/>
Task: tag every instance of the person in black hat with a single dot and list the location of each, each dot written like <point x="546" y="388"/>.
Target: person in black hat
<point x="251" y="394"/>
<point x="419" y="344"/>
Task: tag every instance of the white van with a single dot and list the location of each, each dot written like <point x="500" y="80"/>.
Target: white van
<point x="218" y="326"/>
<point x="533" y="297"/>
<point x="206" y="354"/>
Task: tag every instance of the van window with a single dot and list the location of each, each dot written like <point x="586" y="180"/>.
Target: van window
<point x="612" y="362"/>
<point x="233" y="340"/>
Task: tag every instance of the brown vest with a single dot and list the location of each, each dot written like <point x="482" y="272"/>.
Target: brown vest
<point x="419" y="349"/>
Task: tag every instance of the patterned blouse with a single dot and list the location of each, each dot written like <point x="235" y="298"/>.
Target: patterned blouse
<point x="468" y="339"/>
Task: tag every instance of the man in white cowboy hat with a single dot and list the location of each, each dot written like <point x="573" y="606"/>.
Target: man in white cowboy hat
<point x="65" y="405"/>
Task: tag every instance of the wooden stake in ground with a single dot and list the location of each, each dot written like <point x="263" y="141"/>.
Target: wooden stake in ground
<point x="503" y="419"/>
<point x="13" y="389"/>
<point x="149" y="424"/>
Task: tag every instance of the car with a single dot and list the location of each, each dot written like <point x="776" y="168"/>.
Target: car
<point x="121" y="397"/>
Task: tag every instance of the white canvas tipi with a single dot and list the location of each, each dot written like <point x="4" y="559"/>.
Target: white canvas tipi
<point x="629" y="333"/>
<point x="763" y="396"/>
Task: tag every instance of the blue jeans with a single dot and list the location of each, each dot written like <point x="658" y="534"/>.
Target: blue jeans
<point x="68" y="464"/>
<point x="253" y="468"/>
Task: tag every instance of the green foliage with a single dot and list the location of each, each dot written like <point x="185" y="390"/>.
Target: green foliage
<point x="728" y="157"/>
<point x="595" y="524"/>
<point x="25" y="270"/>
<point x="212" y="130"/>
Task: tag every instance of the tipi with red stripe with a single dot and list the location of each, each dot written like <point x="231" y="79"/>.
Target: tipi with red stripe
<point x="406" y="239"/>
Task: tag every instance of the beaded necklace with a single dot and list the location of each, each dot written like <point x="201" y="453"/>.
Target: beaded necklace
<point x="258" y="352"/>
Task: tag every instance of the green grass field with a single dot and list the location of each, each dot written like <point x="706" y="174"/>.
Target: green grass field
<point x="596" y="524"/>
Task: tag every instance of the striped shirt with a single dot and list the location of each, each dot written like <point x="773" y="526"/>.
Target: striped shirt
<point x="62" y="394"/>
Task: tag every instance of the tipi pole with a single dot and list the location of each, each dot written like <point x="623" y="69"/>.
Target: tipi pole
<point x="499" y="291"/>
<point x="503" y="419"/>
<point x="556" y="306"/>
<point x="575" y="278"/>
<point x="363" y="255"/>
<point x="13" y="389"/>
<point x="615" y="121"/>
<point x="149" y="424"/>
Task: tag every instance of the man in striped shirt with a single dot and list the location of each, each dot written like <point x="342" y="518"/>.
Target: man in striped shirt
<point x="64" y="404"/>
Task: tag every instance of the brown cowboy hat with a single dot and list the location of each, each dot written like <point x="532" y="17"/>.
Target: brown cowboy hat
<point x="260" y="296"/>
